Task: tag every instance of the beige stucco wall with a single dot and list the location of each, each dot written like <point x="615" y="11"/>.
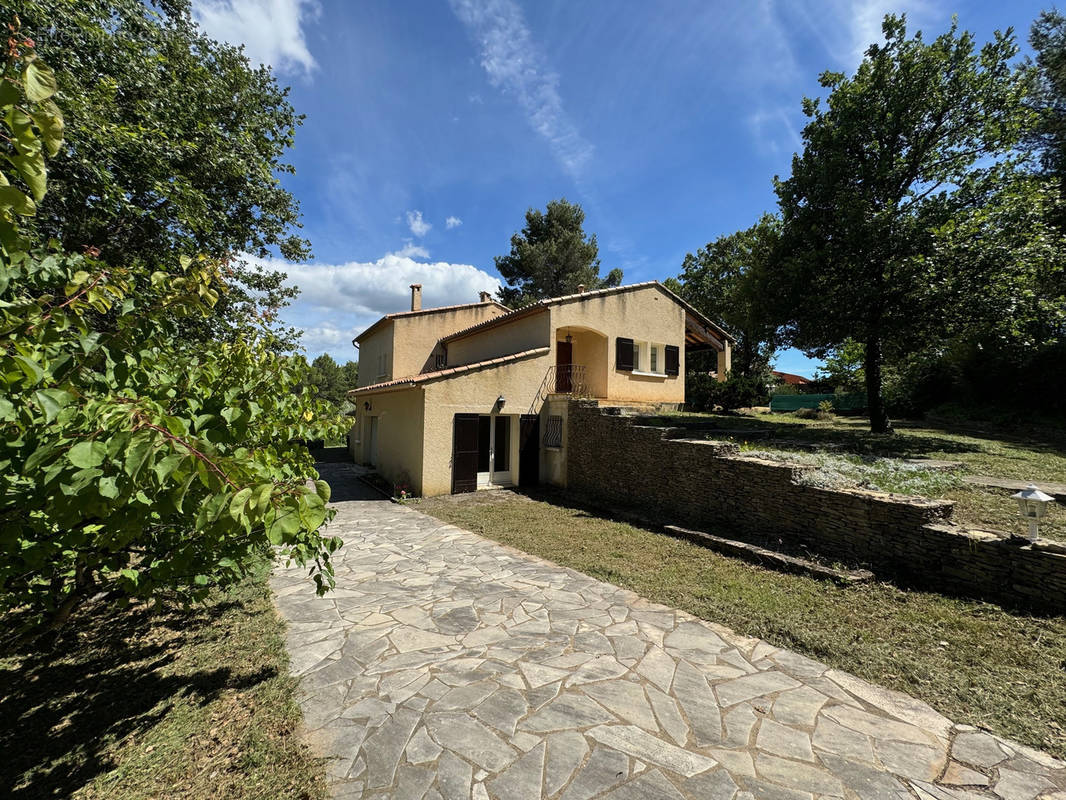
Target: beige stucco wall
<point x="474" y="393"/>
<point x="553" y="460"/>
<point x="416" y="337"/>
<point x="369" y="349"/>
<point x="646" y="314"/>
<point x="524" y="333"/>
<point x="400" y="416"/>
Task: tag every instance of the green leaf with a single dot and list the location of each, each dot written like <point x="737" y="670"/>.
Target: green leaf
<point x="139" y="450"/>
<point x="50" y="123"/>
<point x="165" y="466"/>
<point x="39" y="81"/>
<point x="30" y="367"/>
<point x="108" y="487"/>
<point x="52" y="401"/>
<point x="286" y="523"/>
<point x="236" y="506"/>
<point x="17" y="201"/>
<point x="31" y="167"/>
<point x="323" y="490"/>
<point x="87" y="454"/>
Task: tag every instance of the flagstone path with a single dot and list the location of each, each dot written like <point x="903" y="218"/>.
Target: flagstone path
<point x="447" y="666"/>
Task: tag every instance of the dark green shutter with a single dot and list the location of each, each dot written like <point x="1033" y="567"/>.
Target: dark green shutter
<point x="623" y="354"/>
<point x="673" y="359"/>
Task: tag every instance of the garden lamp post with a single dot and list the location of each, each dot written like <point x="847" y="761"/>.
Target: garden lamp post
<point x="1033" y="505"/>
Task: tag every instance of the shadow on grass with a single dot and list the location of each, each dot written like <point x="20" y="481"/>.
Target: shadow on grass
<point x="112" y="675"/>
<point x="900" y="575"/>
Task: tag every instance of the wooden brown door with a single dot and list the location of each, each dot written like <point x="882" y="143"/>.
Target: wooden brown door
<point x="465" y="453"/>
<point x="564" y="356"/>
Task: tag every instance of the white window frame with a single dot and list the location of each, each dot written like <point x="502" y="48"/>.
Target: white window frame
<point x="642" y="358"/>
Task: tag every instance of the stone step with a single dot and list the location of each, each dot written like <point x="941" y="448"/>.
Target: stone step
<point x="1056" y="490"/>
<point x="770" y="558"/>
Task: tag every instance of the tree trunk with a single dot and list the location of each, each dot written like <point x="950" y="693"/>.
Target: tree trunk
<point x="879" y="422"/>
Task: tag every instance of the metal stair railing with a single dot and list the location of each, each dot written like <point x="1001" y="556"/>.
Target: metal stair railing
<point x="568" y="379"/>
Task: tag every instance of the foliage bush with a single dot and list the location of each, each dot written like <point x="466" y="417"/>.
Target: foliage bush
<point x="704" y="392"/>
<point x="134" y="463"/>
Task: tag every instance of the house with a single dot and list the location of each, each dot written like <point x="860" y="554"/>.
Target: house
<point x="464" y="397"/>
<point x="789" y="378"/>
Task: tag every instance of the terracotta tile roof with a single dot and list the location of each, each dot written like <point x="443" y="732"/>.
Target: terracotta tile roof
<point x="788" y="377"/>
<point x="540" y="305"/>
<point x="426" y="377"/>
<point x="402" y="314"/>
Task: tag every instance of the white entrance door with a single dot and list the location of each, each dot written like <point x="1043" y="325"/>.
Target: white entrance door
<point x="494" y="450"/>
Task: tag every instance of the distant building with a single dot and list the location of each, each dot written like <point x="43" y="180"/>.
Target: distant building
<point x="790" y="379"/>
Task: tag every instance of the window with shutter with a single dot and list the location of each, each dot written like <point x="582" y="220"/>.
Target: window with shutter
<point x="673" y="359"/>
<point x="623" y="354"/>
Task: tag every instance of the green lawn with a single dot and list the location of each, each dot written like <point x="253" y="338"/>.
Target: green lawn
<point x="1030" y="454"/>
<point x="972" y="661"/>
<point x="192" y="704"/>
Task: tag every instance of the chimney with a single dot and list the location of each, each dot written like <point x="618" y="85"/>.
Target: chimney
<point x="486" y="297"/>
<point x="581" y="288"/>
<point x="416" y="296"/>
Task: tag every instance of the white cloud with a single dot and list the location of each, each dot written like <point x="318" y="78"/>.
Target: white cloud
<point x="853" y="25"/>
<point x="338" y="301"/>
<point x="419" y="227"/>
<point x="774" y="131"/>
<point x="411" y="250"/>
<point x="271" y="30"/>
<point x="864" y="24"/>
<point x="515" y="65"/>
<point x="452" y="222"/>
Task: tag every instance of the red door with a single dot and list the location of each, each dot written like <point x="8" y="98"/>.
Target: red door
<point x="564" y="355"/>
<point x="464" y="453"/>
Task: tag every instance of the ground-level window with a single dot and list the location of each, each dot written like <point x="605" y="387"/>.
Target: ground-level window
<point x="553" y="432"/>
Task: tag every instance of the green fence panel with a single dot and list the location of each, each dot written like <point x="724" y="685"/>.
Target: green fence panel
<point x="841" y="402"/>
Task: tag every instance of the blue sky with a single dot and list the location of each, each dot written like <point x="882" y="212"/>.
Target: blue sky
<point x="432" y="126"/>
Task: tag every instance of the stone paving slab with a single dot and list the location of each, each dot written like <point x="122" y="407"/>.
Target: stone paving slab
<point x="447" y="666"/>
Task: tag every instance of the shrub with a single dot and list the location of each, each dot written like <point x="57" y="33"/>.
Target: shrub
<point x="704" y="393"/>
<point x="135" y="463"/>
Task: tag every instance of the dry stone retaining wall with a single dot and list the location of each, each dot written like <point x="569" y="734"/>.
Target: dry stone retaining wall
<point x="611" y="460"/>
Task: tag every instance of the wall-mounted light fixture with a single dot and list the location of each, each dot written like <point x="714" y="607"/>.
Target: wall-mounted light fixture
<point x="500" y="401"/>
<point x="366" y="405"/>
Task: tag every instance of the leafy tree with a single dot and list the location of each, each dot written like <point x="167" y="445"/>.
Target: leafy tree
<point x="725" y="280"/>
<point x="173" y="143"/>
<point x="919" y="138"/>
<point x="134" y="463"/>
<point x="331" y="381"/>
<point x="843" y="370"/>
<point x="551" y="256"/>
<point x="1048" y="39"/>
<point x="350" y="375"/>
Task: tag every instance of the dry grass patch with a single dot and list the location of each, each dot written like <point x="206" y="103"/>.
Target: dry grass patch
<point x="846" y="453"/>
<point x="130" y="704"/>
<point x="974" y="662"/>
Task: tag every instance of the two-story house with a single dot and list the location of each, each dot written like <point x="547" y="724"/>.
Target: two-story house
<point x="463" y="397"/>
